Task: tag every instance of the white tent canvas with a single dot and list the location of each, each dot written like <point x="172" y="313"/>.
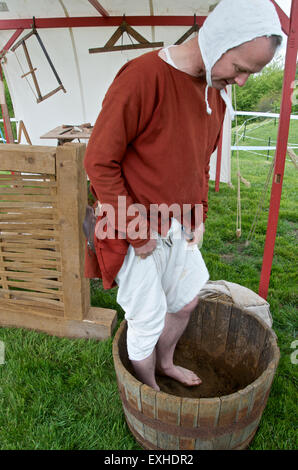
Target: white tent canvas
<point x="85" y="77"/>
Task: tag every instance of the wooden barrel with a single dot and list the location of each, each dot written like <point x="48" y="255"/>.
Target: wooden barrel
<point x="235" y="339"/>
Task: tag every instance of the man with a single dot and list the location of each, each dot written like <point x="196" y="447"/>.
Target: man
<point x="151" y="145"/>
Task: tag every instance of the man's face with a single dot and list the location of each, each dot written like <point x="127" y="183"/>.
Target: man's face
<point x="236" y="65"/>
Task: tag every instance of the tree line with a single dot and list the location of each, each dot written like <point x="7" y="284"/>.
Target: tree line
<point x="262" y="92"/>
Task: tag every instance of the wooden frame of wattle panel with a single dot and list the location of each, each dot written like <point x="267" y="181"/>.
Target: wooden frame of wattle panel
<point x="42" y="246"/>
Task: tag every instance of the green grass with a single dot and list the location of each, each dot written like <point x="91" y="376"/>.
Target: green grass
<point x="57" y="393"/>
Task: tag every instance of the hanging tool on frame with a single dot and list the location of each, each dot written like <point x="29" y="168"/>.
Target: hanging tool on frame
<point x="32" y="70"/>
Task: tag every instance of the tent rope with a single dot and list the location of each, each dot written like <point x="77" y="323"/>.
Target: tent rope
<point x="260" y="205"/>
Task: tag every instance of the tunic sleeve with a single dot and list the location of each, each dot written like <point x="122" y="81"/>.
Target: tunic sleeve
<point x="125" y="112"/>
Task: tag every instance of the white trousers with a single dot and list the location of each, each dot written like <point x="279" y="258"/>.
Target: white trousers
<point x="167" y="280"/>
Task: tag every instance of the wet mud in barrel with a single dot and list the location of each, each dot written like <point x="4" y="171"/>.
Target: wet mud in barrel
<point x="218" y="377"/>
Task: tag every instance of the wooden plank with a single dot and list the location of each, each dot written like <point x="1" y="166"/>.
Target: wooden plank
<point x="32" y="306"/>
<point x="22" y="129"/>
<point x="24" y="38"/>
<point x="148" y="402"/>
<point x="227" y="417"/>
<point x="246" y="396"/>
<point x="25" y="231"/>
<point x="51" y="93"/>
<point x="208" y="327"/>
<point x="53" y="325"/>
<point x="148" y="398"/>
<point x="15" y="184"/>
<point x="3" y="279"/>
<point x="242" y="350"/>
<point x="189" y="412"/>
<point x="257" y="334"/>
<point x="251" y="428"/>
<point x="134" y="33"/>
<point x="133" y="396"/>
<point x="261" y="388"/>
<point x="266" y="353"/>
<point x="49" y="260"/>
<point x="208" y="417"/>
<point x="32" y="277"/>
<point x="63" y="134"/>
<point x="29" y="159"/>
<point x="126" y="47"/>
<point x="46" y="211"/>
<point x="190" y="337"/>
<point x="221" y="329"/>
<point x="230" y="352"/>
<point x="32" y="291"/>
<point x="41" y="244"/>
<point x="72" y="201"/>
<point x="21" y="267"/>
<point x="34" y="219"/>
<point x="189" y="419"/>
<point x="168" y="411"/>
<point x="198" y="313"/>
<point x="32" y="281"/>
<point x="39" y="254"/>
<point x="45" y="299"/>
<point x="31" y="198"/>
<point x="21" y="257"/>
<point x="25" y="190"/>
<point x="31" y="68"/>
<point x="32" y="265"/>
<point x="135" y="423"/>
<point x="168" y="408"/>
<point x="26" y="204"/>
<point x="26" y="238"/>
<point x="28" y="227"/>
<point x="107" y="317"/>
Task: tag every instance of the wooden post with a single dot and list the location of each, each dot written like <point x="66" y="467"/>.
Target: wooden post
<point x="71" y="201"/>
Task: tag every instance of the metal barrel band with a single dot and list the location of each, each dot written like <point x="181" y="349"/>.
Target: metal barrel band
<point x="200" y="431"/>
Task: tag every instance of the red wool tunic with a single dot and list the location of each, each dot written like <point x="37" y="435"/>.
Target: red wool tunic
<point x="151" y="143"/>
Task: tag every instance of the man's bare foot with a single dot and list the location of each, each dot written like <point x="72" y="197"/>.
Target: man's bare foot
<point x="185" y="376"/>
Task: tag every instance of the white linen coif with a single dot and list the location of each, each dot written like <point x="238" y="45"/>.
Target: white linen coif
<point x="231" y="23"/>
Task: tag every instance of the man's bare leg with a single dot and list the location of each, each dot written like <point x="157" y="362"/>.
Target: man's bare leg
<point x="175" y="324"/>
<point x="161" y="358"/>
<point x="145" y="370"/>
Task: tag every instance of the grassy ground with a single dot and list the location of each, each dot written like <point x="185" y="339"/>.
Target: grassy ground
<point x="62" y="394"/>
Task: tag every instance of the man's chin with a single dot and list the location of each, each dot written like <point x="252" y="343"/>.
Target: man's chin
<point x="218" y="85"/>
<point x="221" y="84"/>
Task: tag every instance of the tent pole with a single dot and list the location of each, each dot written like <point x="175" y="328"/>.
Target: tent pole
<point x="11" y="41"/>
<point x="99" y="8"/>
<point x="281" y="149"/>
<point x="283" y="18"/>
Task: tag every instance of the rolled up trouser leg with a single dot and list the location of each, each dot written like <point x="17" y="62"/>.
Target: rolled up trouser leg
<point x="143" y="300"/>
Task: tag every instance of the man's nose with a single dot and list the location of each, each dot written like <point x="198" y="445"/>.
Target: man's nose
<point x="241" y="79"/>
